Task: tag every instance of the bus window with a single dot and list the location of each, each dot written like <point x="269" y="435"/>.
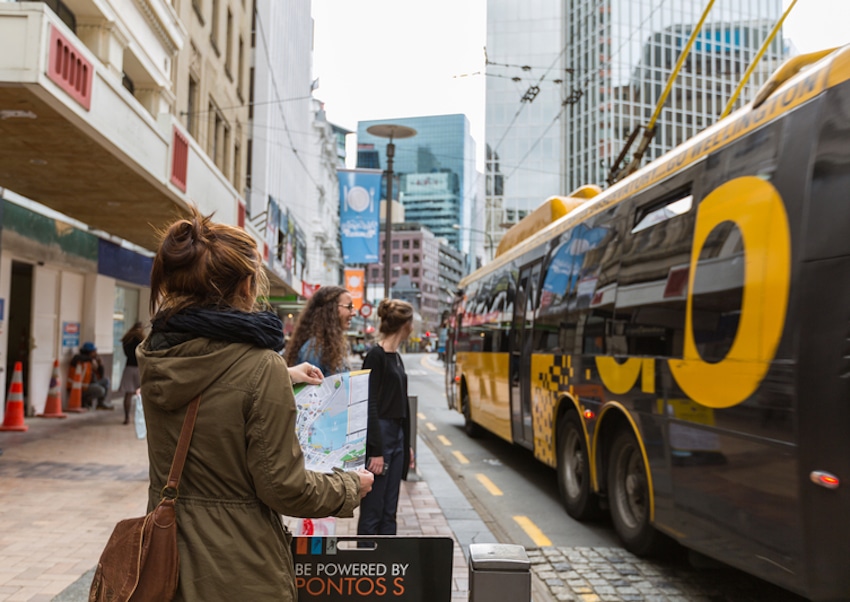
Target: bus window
<point x="653" y="281"/>
<point x="718" y="292"/>
<point x="591" y="301"/>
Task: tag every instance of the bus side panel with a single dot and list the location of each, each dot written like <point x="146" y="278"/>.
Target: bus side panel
<point x="486" y="375"/>
<point x="824" y="355"/>
<point x="738" y="481"/>
<point x="824" y="426"/>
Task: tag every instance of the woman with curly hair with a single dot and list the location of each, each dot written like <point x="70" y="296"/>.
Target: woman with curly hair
<point x="319" y="337"/>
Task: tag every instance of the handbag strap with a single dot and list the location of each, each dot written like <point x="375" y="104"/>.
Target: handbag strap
<point x="182" y="449"/>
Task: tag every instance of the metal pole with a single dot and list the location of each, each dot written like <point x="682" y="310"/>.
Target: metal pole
<point x="388" y="228"/>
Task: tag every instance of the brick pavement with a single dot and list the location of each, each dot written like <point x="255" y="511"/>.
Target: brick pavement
<point x="65" y="483"/>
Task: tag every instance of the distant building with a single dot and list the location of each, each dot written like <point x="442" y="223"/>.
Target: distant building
<point x="294" y="192"/>
<point x="424" y="270"/>
<point x="569" y="81"/>
<point x="436" y="171"/>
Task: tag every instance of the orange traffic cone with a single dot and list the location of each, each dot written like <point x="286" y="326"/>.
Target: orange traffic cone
<point x="53" y="405"/>
<point x="14" y="417"/>
<point x="75" y="400"/>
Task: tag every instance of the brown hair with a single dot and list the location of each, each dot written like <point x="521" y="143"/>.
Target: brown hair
<point x="203" y="264"/>
<point x="136" y="332"/>
<point x="394" y="313"/>
<point x="320" y="321"/>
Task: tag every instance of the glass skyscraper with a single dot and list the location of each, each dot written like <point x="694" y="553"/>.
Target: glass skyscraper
<point x="622" y="53"/>
<point x="435" y="171"/>
<point x="569" y="81"/>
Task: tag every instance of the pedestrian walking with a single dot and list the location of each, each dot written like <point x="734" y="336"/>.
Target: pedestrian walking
<point x="245" y="468"/>
<point x="130" y="377"/>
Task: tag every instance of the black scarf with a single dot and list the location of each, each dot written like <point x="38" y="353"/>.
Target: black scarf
<point x="263" y="329"/>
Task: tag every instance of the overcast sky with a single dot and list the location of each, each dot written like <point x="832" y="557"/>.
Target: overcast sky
<point x="381" y="59"/>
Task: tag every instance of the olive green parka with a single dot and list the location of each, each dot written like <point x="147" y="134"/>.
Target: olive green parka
<point x="244" y="468"/>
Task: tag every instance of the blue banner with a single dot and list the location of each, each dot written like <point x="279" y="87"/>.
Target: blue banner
<point x="359" y="210"/>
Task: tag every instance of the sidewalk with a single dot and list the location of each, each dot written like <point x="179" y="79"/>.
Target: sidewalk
<point x="66" y="482"/>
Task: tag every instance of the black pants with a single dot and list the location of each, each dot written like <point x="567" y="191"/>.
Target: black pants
<point x="378" y="508"/>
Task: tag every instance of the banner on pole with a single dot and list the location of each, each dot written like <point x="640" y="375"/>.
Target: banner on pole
<point x="354" y="278"/>
<point x="359" y="210"/>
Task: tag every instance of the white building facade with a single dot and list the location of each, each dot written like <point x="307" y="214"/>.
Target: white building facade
<point x="293" y="198"/>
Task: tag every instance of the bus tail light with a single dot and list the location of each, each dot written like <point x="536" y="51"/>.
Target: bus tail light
<point x="589" y="414"/>
<point x="457" y="379"/>
<point x="824" y="479"/>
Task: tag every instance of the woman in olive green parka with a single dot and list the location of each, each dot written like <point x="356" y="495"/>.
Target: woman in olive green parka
<point x="245" y="466"/>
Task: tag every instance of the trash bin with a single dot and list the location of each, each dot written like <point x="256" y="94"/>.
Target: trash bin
<point x="499" y="571"/>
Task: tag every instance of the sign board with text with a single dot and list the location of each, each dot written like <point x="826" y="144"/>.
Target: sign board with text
<point x="407" y="569"/>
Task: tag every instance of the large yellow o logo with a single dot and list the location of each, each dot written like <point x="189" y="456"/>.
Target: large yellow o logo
<point x="755" y="206"/>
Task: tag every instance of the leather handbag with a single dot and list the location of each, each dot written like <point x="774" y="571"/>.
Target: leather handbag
<point x="140" y="562"/>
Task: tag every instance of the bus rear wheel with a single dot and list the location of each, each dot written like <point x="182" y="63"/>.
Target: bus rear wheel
<point x="469" y="427"/>
<point x="628" y="497"/>
<point x="574" y="470"/>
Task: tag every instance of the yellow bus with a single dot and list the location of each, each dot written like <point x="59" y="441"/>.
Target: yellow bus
<point x="677" y="347"/>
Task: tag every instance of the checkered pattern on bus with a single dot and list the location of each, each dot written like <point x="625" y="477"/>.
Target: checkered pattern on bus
<point x="550" y="378"/>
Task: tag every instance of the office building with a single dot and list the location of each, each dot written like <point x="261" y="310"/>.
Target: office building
<point x="569" y="81"/>
<point x="435" y="170"/>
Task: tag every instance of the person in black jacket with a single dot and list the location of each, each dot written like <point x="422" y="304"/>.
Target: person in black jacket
<point x="388" y="449"/>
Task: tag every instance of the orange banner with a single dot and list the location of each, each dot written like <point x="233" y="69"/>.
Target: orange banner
<point x="354" y="279"/>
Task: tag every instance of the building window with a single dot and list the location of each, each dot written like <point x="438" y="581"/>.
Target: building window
<point x="405" y="244"/>
<point x="416" y="272"/>
<point x="395" y="246"/>
<point x="240" y="79"/>
<point x="415" y="244"/>
<point x="237" y="166"/>
<point x="405" y="258"/>
<point x="192" y="108"/>
<point x="214" y="26"/>
<point x="416" y="259"/>
<point x="395" y="258"/>
<point x="228" y="57"/>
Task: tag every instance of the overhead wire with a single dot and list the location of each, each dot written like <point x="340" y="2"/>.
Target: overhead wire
<point x="590" y="75"/>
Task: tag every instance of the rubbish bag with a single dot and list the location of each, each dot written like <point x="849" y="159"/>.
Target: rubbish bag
<point x="141" y="427"/>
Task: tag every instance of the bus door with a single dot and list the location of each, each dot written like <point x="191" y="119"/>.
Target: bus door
<point x="521" y="344"/>
<point x="449" y="355"/>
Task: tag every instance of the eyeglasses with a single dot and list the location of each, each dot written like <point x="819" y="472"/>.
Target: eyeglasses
<point x="349" y="307"/>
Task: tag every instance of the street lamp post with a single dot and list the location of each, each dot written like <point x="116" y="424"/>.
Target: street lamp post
<point x="389" y="130"/>
<point x="485" y="233"/>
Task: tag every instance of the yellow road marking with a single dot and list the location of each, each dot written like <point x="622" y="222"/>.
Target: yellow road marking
<point x="460" y="457"/>
<point x="427" y="365"/>
<point x="533" y="531"/>
<point x="420" y="415"/>
<point x="430" y="426"/>
<point x="444" y="440"/>
<point x="488" y="485"/>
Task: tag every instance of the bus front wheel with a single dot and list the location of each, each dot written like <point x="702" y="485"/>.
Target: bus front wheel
<point x="628" y="497"/>
<point x="574" y="470"/>
<point x="469" y="427"/>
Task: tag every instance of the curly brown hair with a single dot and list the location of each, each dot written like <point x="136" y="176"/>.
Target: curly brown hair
<point x="320" y="321"/>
